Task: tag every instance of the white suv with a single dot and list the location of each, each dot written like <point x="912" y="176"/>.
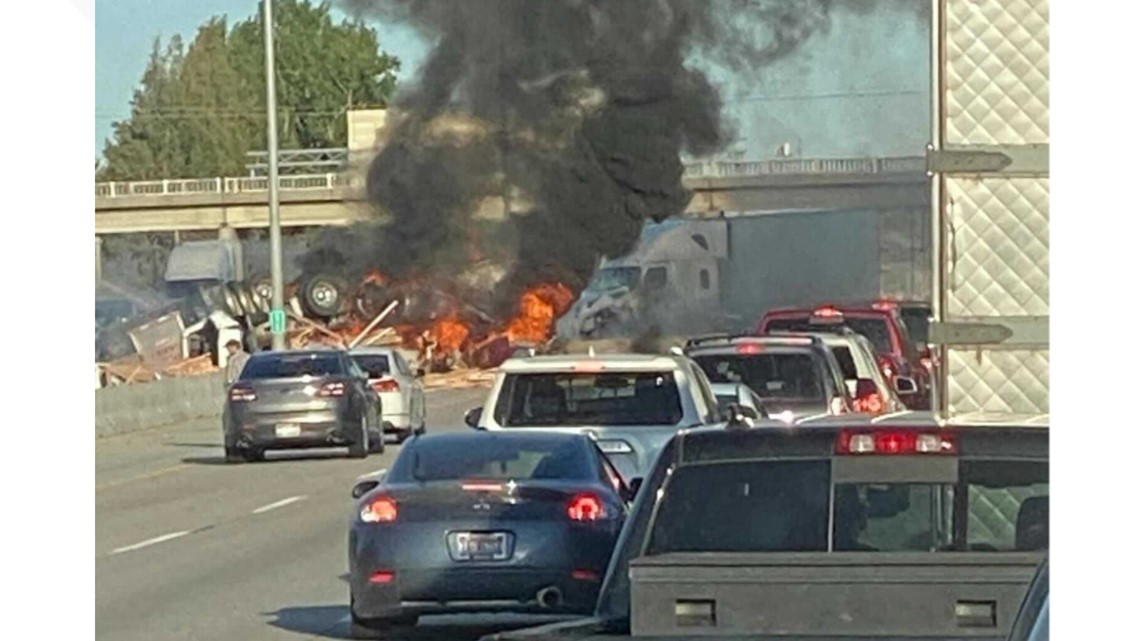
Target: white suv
<point x="632" y="404"/>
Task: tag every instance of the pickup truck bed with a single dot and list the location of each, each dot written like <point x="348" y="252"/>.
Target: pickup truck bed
<point x="914" y="595"/>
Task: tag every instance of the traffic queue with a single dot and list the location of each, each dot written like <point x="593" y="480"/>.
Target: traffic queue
<point x="799" y="438"/>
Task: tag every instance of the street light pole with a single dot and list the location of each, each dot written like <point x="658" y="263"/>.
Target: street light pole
<point x="277" y="314"/>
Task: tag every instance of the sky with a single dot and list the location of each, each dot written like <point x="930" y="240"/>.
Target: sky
<point x="859" y="90"/>
<point x="125" y="31"/>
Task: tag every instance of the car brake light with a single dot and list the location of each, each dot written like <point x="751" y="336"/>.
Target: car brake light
<point x="585" y="507"/>
<point x="749" y="348"/>
<point x="243" y="394"/>
<point x="584" y="575"/>
<point x="895" y="442"/>
<point x="827" y="312"/>
<point x="386" y="385"/>
<point x="382" y="576"/>
<point x="380" y="510"/>
<point x="331" y="389"/>
<point x="883" y="306"/>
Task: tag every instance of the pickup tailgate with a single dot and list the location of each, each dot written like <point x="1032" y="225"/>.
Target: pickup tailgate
<point x="881" y="595"/>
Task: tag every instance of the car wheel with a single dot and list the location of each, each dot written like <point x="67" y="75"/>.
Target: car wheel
<point x="376" y="441"/>
<point x="360" y="448"/>
<point x="252" y="455"/>
<point x="233" y="455"/>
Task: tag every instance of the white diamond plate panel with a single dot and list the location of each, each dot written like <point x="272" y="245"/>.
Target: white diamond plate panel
<point x="996" y="72"/>
<point x="999" y="253"/>
<point x="1014" y="381"/>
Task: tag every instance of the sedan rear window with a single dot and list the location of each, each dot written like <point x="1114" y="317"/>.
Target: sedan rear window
<point x="786" y="375"/>
<point x="292" y="366"/>
<point x="376" y="365"/>
<point x="499" y="459"/>
<point x="589" y="399"/>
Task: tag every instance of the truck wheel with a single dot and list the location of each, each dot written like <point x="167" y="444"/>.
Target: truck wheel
<point x="322" y="296"/>
<point x="233" y="455"/>
<point x="252" y="455"/>
<point x="360" y="448"/>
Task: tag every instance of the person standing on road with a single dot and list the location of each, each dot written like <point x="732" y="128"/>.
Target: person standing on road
<point x="236" y="362"/>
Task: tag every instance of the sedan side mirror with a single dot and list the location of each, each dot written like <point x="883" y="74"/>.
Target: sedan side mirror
<point x="364" y="487"/>
<point x="905" y="385"/>
<point x="472" y="418"/>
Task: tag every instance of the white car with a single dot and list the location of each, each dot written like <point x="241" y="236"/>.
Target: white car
<point x="401" y="394"/>
<point x="856" y="358"/>
<point x="632" y="404"/>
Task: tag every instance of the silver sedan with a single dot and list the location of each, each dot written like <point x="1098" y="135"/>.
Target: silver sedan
<point x="401" y="392"/>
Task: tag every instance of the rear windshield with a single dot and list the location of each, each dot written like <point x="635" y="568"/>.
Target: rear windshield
<point x="292" y="366"/>
<point x="376" y="365"/>
<point x="786" y="375"/>
<point x="583" y="399"/>
<point x="497" y="458"/>
<point x="997" y="506"/>
<point x="877" y="330"/>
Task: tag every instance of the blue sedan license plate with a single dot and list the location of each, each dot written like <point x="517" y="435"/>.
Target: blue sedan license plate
<point x="477" y="546"/>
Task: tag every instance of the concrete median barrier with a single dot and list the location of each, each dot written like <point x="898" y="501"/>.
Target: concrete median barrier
<point x="131" y="408"/>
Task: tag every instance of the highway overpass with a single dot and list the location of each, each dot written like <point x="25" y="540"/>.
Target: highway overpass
<point x="339" y="198"/>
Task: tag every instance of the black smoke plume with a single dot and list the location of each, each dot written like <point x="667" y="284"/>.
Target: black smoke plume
<point x="540" y="135"/>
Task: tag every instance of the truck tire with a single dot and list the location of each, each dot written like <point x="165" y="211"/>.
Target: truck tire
<point x="322" y="296"/>
<point x="252" y="455"/>
<point x="233" y="455"/>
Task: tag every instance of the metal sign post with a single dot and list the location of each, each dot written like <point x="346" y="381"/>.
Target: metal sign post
<point x="277" y="314"/>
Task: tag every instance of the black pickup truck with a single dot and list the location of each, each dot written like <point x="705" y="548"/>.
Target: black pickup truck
<point x="889" y="528"/>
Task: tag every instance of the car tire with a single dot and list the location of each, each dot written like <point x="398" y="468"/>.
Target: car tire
<point x="252" y="455"/>
<point x="376" y="440"/>
<point x="360" y="448"/>
<point x="233" y="455"/>
<point x="378" y="628"/>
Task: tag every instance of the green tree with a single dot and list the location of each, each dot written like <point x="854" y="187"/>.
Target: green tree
<point x="200" y="109"/>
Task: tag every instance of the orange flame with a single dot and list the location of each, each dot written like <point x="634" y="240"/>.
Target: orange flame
<point x="537" y="310"/>
<point x="449" y="333"/>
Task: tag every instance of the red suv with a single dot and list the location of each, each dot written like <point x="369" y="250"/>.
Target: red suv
<point x="883" y="325"/>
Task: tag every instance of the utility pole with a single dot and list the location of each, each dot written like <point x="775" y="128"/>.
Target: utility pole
<point x="277" y="313"/>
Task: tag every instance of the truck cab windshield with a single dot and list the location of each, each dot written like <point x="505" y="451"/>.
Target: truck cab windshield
<point x="616" y="277"/>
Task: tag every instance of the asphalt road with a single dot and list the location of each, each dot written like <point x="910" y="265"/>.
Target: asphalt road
<point x="188" y="547"/>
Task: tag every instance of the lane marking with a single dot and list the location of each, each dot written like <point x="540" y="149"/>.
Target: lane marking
<point x="143" y="477"/>
<point x="149" y="542"/>
<point x="379" y="472"/>
<point x="281" y="503"/>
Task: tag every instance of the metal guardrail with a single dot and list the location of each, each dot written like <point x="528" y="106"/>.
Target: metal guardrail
<point x="237" y="185"/>
<point x="711" y="169"/>
<point x="811" y="166"/>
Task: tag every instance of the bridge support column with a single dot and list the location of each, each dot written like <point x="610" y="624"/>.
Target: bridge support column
<point x="98" y="260"/>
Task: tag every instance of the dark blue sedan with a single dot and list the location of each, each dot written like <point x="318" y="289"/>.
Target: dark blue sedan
<point x="484" y="522"/>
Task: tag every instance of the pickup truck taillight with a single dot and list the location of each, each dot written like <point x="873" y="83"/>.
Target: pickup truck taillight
<point x="242" y="394"/>
<point x="899" y="442"/>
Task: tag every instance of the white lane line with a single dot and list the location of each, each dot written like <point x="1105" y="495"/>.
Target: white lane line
<point x="149" y="542"/>
<point x="379" y="472"/>
<point x="281" y="503"/>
